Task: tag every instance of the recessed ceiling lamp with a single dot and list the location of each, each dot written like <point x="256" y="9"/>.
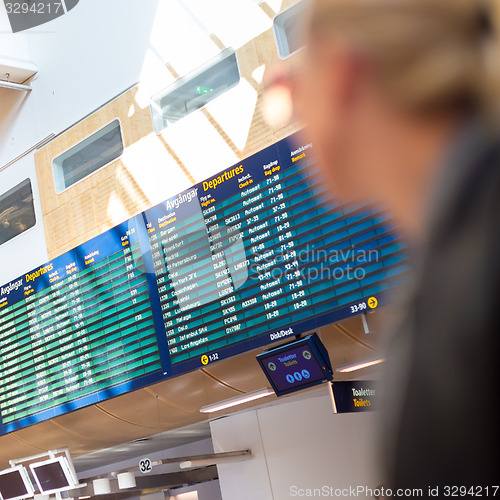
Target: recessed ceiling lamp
<point x="359" y="365"/>
<point x="238" y="400"/>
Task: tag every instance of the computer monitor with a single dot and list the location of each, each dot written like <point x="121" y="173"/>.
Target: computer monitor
<point x="15" y="484"/>
<point x="296" y="365"/>
<point x="54" y="475"/>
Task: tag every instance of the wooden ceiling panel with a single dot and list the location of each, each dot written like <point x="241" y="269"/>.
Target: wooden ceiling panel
<point x="48" y="436"/>
<point x="242" y="373"/>
<point x="12" y="447"/>
<point x="82" y="431"/>
<point x="192" y="391"/>
<point x="150" y="411"/>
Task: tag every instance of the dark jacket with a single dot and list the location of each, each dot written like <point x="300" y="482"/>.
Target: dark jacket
<point x="443" y="377"/>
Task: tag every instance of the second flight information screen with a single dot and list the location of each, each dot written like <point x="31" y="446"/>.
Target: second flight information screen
<point x="81" y="324"/>
<point x="251" y="256"/>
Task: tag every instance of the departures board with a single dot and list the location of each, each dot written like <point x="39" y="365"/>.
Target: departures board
<point x="259" y="252"/>
<point x="251" y="256"/>
<point x="75" y="328"/>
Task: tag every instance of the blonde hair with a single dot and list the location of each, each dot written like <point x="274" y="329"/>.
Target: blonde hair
<point x="429" y="54"/>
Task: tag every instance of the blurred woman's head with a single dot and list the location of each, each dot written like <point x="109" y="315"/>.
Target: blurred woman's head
<point x="384" y="84"/>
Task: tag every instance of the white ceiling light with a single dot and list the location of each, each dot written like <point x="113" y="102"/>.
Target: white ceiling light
<point x="238" y="400"/>
<point x="359" y="365"/>
<point x="126" y="480"/>
<point x="102" y="486"/>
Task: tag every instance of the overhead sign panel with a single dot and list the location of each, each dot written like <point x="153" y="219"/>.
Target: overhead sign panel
<point x="253" y="255"/>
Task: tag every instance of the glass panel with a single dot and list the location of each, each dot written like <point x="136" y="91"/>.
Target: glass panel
<point x="17" y="212"/>
<point x="90" y="155"/>
<point x="288" y="30"/>
<point x="195" y="90"/>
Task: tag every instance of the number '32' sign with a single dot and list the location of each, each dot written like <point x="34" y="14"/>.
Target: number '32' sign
<point x="145" y="465"/>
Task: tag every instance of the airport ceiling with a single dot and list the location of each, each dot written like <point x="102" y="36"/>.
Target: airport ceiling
<point x="173" y="404"/>
<point x="143" y="447"/>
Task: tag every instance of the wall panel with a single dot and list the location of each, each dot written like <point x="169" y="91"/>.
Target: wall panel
<point x="155" y="167"/>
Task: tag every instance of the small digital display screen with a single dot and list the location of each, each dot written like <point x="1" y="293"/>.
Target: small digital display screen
<point x="12" y="485"/>
<point x="51" y="476"/>
<point x="295" y="366"/>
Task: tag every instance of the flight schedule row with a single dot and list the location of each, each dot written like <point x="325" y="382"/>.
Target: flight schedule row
<point x="87" y="328"/>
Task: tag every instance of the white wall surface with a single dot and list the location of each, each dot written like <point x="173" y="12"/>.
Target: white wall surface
<point x="202" y="491"/>
<point x="87" y="57"/>
<point x="242" y="480"/>
<point x="11" y="45"/>
<point x="299" y="443"/>
<point x="16" y="110"/>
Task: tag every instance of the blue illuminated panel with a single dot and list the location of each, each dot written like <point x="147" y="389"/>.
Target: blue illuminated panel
<point x="296" y="365"/>
<point x="253" y="255"/>
<point x="77" y="330"/>
<point x="258" y="253"/>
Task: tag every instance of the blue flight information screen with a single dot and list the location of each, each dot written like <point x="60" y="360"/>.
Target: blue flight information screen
<point x="78" y="329"/>
<point x="259" y="253"/>
<point x="253" y="255"/>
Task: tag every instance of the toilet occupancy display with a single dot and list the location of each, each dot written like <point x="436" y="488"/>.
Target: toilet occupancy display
<point x="76" y="327"/>
<point x="257" y="253"/>
<point x="251" y="256"/>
